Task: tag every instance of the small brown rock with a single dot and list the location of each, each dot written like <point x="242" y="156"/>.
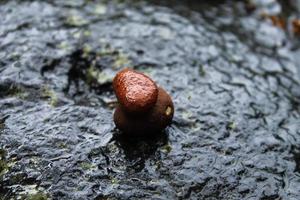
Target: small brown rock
<point x="152" y="122"/>
<point x="136" y="92"/>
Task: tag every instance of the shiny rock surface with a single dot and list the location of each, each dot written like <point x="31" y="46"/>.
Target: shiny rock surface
<point x="232" y="74"/>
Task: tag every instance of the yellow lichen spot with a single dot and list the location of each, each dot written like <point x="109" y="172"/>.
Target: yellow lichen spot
<point x="37" y="196"/>
<point x="86" y="50"/>
<point x="87" y="33"/>
<point x="121" y="60"/>
<point x="166" y="148"/>
<point x="102" y="40"/>
<point x="100" y="9"/>
<point x="77" y="35"/>
<point x="76" y="20"/>
<point x="3" y="167"/>
<point x="231" y="126"/>
<point x="114" y="181"/>
<point x="202" y="71"/>
<point x="51" y="95"/>
<point x="101" y="77"/>
<point x="63" y="45"/>
<point x="86" y="165"/>
<point x="62" y="145"/>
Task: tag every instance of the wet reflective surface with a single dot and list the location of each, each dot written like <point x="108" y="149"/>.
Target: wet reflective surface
<point x="232" y="74"/>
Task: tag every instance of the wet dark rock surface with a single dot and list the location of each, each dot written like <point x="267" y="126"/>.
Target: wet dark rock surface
<point x="233" y="76"/>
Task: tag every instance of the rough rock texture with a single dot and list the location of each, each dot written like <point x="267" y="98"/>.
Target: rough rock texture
<point x="233" y="76"/>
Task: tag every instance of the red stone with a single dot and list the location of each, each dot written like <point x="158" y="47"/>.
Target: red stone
<point x="135" y="91"/>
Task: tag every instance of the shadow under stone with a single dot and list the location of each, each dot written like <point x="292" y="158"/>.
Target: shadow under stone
<point x="138" y="149"/>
